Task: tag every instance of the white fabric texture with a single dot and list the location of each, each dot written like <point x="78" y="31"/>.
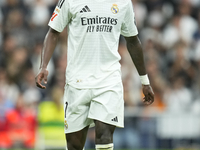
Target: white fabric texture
<point x="82" y="106"/>
<point x="94" y="28"/>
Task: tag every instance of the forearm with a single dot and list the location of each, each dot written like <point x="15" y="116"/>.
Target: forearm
<point x="135" y="50"/>
<point x="48" y="47"/>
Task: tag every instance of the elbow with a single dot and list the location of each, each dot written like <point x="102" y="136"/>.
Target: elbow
<point x="132" y="40"/>
<point x="53" y="31"/>
<point x="52" y="34"/>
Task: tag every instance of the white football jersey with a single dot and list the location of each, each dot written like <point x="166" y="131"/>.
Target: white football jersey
<point x="94" y="28"/>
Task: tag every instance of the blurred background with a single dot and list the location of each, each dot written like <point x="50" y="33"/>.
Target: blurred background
<point x="169" y="30"/>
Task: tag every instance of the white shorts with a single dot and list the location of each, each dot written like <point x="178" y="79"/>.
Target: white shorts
<point x="82" y="106"/>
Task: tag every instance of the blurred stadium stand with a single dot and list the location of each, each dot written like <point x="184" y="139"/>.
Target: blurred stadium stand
<point x="170" y="34"/>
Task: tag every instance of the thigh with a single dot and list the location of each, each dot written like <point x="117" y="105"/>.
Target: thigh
<point x="76" y="140"/>
<point x="104" y="132"/>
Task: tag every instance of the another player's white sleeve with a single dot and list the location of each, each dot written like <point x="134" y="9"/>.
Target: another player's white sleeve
<point x="61" y="16"/>
<point x="129" y="26"/>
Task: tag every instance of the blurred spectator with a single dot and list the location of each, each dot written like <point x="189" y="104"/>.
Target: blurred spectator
<point x="5" y="98"/>
<point x="8" y="46"/>
<point x="40" y="14"/>
<point x="140" y="13"/>
<point x="1" y="19"/>
<point x="179" y="98"/>
<point x="16" y="64"/>
<point x="31" y="94"/>
<point x="9" y="91"/>
<point x="187" y="24"/>
<point x="52" y="110"/>
<point x="21" y="125"/>
<point x="5" y="105"/>
<point x="171" y="33"/>
<point x="15" y="23"/>
<point x="51" y="119"/>
<point x="197" y="41"/>
<point x="180" y="64"/>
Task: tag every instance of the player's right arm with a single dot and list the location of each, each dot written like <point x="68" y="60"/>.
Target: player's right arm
<point x="50" y="42"/>
<point x="59" y="20"/>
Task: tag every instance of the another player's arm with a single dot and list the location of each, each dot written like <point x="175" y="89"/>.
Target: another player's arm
<point x="50" y="42"/>
<point x="135" y="50"/>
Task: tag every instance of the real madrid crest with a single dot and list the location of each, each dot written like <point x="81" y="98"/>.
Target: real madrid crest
<point x="66" y="125"/>
<point x="114" y="9"/>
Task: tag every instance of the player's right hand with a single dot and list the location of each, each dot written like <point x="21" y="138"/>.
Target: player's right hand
<point x="41" y="76"/>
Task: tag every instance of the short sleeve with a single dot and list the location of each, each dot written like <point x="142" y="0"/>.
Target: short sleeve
<point x="61" y="16"/>
<point x="129" y="26"/>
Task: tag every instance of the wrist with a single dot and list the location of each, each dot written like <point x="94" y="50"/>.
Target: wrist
<point x="43" y="67"/>
<point x="144" y="80"/>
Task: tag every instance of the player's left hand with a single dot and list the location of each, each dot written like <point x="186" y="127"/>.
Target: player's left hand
<point x="148" y="94"/>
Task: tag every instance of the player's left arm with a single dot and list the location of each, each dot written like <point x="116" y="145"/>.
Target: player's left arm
<point x="135" y="50"/>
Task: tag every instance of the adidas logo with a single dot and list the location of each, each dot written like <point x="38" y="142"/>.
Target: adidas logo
<point x="115" y="119"/>
<point x="85" y="9"/>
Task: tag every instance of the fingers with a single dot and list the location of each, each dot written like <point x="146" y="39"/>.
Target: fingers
<point x="149" y="95"/>
<point x="39" y="81"/>
<point x="148" y="99"/>
<point x="45" y="77"/>
<point x="39" y="78"/>
<point x="40" y="85"/>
